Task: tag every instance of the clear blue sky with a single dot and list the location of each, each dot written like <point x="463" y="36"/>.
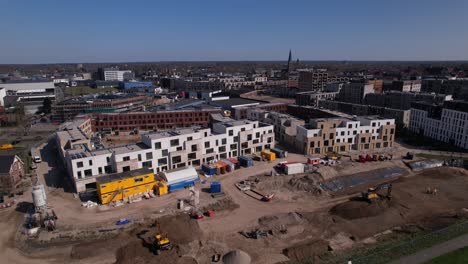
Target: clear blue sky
<point x="46" y="31"/>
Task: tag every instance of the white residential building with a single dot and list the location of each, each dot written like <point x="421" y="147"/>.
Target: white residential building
<point x="446" y="123"/>
<point x="166" y="150"/>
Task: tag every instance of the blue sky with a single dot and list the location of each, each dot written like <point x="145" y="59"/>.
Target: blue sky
<point x="46" y="31"/>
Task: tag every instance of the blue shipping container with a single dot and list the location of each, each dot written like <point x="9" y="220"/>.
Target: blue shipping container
<point x="215" y="187"/>
<point x="245" y="161"/>
<point x="208" y="170"/>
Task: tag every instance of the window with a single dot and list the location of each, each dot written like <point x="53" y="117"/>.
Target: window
<point x="138" y="180"/>
<point x="210" y="150"/>
<point x="236" y="139"/>
<point x="79" y="164"/>
<point x="230" y="133"/>
<point x="90" y="163"/>
<point x="194" y="148"/>
<point x="126" y="168"/>
<point x="363" y="140"/>
<point x="162" y="161"/>
<point x="165" y="152"/>
<point x="108" y="159"/>
<point x="249" y="137"/>
<point x="157" y="145"/>
<point x="149" y="155"/>
<point x="257" y="135"/>
<point x="233" y="146"/>
<point x="100" y="170"/>
<point x="139" y="157"/>
<point x="223" y="141"/>
<point x="147" y="164"/>
<point x="126" y="158"/>
<point x="192" y="156"/>
<point x="189" y="138"/>
<point x="350" y="140"/>
<point x="392" y="131"/>
<point x="88" y="172"/>
<point x="176" y="159"/>
<point x="325" y="143"/>
<point x="79" y="175"/>
<point x="243" y="129"/>
<point x="222" y="149"/>
<point x="174" y="142"/>
<point x="207" y="144"/>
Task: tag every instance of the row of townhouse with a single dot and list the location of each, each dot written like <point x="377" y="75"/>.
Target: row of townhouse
<point x="447" y="122"/>
<point x="335" y="134"/>
<point x="167" y="150"/>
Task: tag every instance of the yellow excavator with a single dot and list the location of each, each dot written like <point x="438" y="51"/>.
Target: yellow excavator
<point x="160" y="242"/>
<point x="373" y="193"/>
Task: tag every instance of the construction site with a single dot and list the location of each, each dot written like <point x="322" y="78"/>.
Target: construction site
<point x="272" y="210"/>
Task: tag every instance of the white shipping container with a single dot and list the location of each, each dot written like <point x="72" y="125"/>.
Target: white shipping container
<point x="294" y="168"/>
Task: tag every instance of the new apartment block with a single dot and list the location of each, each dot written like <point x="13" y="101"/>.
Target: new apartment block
<point x="355" y="92"/>
<point x="447" y="122"/>
<point x="342" y="134"/>
<point x="161" y="151"/>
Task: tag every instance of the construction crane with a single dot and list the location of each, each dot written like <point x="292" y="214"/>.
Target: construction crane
<point x="161" y="242"/>
<point x="373" y="192"/>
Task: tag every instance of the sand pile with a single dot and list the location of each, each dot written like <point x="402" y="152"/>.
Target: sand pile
<point x="237" y="257"/>
<point x="288" y="219"/>
<point x="360" y="209"/>
<point x="305" y="251"/>
<point x="305" y="184"/>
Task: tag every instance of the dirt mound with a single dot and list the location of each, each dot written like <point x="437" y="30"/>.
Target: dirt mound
<point x="305" y="184"/>
<point x="306" y="250"/>
<point x="136" y="253"/>
<point x="355" y="209"/>
<point x="181" y="229"/>
<point x="273" y="221"/>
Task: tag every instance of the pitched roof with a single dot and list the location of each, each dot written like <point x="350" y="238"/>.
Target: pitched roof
<point x="5" y="163"/>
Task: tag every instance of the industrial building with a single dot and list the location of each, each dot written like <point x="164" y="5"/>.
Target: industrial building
<point x="114" y="74"/>
<point x="160" y="151"/>
<point x="447" y="122"/>
<point x="28" y="86"/>
<point x="312" y="98"/>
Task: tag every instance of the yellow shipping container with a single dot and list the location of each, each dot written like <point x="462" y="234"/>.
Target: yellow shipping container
<point x="6" y="146"/>
<point x="119" y="186"/>
<point x="268" y="155"/>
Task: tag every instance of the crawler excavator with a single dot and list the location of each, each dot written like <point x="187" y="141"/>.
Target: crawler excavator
<point x="160" y="242"/>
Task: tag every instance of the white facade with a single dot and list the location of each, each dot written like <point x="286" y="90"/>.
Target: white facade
<point x="115" y="75"/>
<point x="168" y="150"/>
<point x="28" y="87"/>
<point x="2" y="96"/>
<point x="451" y="126"/>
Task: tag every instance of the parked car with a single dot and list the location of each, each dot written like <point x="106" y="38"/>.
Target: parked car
<point x="37" y="159"/>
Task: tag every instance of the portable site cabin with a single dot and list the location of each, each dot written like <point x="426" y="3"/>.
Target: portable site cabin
<point x="229" y="165"/>
<point x="180" y="178"/>
<point x="208" y="169"/>
<point x="268" y="155"/>
<point x="279" y="153"/>
<point x="245" y="161"/>
<point x="313" y="160"/>
<point x="235" y="161"/>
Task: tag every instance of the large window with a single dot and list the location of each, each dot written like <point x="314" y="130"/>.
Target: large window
<point x="126" y="158"/>
<point x="207" y="144"/>
<point x="194" y="148"/>
<point x="233" y="146"/>
<point x="165" y="152"/>
<point x="174" y="142"/>
<point x="176" y="159"/>
<point x="79" y="164"/>
<point x="149" y="155"/>
<point x="222" y="149"/>
<point x="147" y="164"/>
<point x="162" y="161"/>
<point x="210" y="150"/>
<point x="192" y="156"/>
<point x="157" y="145"/>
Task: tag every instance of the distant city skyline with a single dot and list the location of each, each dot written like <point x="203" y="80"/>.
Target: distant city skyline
<point x="53" y="31"/>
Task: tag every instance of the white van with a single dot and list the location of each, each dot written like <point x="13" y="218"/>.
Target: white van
<point x="37" y="159"/>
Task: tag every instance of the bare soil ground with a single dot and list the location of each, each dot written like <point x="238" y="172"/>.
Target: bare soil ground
<point x="304" y="220"/>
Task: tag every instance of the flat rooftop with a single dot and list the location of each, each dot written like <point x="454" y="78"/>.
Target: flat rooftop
<point x="122" y="175"/>
<point x="234" y="102"/>
<point x="172" y="133"/>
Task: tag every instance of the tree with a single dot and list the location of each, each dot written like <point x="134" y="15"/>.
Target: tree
<point x="47" y="105"/>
